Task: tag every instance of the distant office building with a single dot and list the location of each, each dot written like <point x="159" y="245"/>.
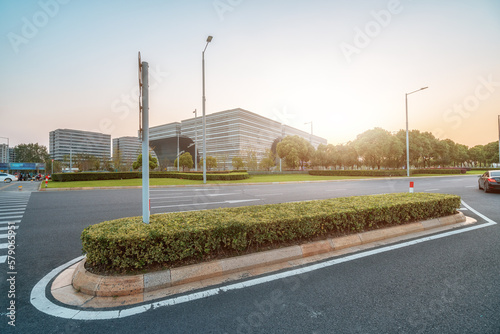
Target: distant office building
<point x="12" y="155"/>
<point x="4" y="153"/>
<point x="128" y="148"/>
<point x="66" y="142"/>
<point x="230" y="133"/>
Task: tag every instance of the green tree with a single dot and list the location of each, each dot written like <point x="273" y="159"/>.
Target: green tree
<point x="325" y="156"/>
<point x="238" y="163"/>
<point x="477" y="155"/>
<point x="185" y="161"/>
<point x="347" y="155"/>
<point x="268" y="162"/>
<point x="251" y="160"/>
<point x="374" y="147"/>
<point x="153" y="162"/>
<point x="211" y="162"/>
<point x="295" y="151"/>
<point x="31" y="153"/>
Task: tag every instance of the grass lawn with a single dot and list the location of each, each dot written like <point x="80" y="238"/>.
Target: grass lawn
<point x="168" y="182"/>
<point x="252" y="179"/>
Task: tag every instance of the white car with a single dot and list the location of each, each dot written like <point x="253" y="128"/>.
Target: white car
<point x="7" y="177"/>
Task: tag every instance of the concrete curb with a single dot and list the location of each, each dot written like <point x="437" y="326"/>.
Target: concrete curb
<point x="112" y="286"/>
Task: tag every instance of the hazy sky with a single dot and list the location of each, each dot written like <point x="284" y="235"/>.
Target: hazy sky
<point x="344" y="65"/>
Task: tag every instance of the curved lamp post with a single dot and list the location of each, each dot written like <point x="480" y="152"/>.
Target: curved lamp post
<point x="209" y="39"/>
<point x="407" y="141"/>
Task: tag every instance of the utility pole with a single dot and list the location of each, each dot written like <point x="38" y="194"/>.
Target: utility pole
<point x="144" y="134"/>
<point x="195" y="140"/>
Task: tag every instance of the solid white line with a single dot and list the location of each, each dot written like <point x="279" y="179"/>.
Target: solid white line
<point x="11" y="217"/>
<point x="40" y="301"/>
<point x="207" y="203"/>
<point x="9" y="221"/>
<point x="4" y="246"/>
<point x="191" y="196"/>
<point x="6" y="228"/>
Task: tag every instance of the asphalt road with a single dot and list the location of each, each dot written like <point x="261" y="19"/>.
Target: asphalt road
<point x="449" y="284"/>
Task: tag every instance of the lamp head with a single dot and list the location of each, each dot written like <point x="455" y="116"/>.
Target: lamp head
<point x="209" y="39"/>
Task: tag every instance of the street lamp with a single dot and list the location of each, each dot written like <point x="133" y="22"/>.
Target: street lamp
<point x="195" y="141"/>
<point x="407" y="141"/>
<point x="209" y="39"/>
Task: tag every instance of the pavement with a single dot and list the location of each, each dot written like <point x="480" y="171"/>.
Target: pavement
<point x="74" y="286"/>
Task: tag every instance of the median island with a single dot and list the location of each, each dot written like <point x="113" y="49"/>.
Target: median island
<point x="128" y="246"/>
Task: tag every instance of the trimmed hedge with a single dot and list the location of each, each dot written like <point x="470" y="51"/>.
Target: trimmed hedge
<point x="85" y="176"/>
<point x="385" y="172"/>
<point x="171" y="239"/>
<point x="211" y="176"/>
<point x="361" y="172"/>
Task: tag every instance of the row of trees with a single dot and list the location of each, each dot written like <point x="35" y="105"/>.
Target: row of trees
<point x="379" y="148"/>
<point x="375" y="148"/>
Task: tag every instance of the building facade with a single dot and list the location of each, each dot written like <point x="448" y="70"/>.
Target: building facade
<point x="127" y="148"/>
<point x="4" y="153"/>
<point x="64" y="143"/>
<point x="230" y="133"/>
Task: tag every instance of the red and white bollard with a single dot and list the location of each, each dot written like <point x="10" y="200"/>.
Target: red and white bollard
<point x="411" y="187"/>
<point x="46" y="181"/>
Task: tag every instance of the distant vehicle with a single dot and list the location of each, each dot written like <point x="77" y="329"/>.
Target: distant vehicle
<point x="489" y="181"/>
<point x="7" y="177"/>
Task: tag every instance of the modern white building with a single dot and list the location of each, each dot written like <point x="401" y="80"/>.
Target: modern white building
<point x="230" y="133"/>
<point x="67" y="142"/>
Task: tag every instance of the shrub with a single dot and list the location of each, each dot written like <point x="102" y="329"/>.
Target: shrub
<point x="363" y="172"/>
<point x="227" y="176"/>
<point x="128" y="244"/>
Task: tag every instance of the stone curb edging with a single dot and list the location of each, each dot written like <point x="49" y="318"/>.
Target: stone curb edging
<point x="112" y="286"/>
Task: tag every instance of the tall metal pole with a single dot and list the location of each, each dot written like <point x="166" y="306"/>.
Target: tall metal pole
<point x="178" y="158"/>
<point x="195" y="141"/>
<point x="145" y="143"/>
<point x="209" y="39"/>
<point x="499" y="139"/>
<point x="407" y="139"/>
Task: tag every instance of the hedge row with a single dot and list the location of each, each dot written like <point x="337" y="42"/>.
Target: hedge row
<point x="212" y="176"/>
<point x="384" y="172"/>
<point x="127" y="244"/>
<point x="362" y="172"/>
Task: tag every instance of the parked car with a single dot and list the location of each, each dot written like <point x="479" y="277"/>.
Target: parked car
<point x="7" y="177"/>
<point x="490" y="181"/>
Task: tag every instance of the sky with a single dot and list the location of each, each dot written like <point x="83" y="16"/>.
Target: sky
<point x="344" y="65"/>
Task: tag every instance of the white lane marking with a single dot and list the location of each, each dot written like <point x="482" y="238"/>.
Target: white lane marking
<point x="40" y="301"/>
<point x="3" y="258"/>
<point x="207" y="203"/>
<point x="4" y="246"/>
<point x="277" y="194"/>
<point x="10" y="221"/>
<point x="11" y="217"/>
<point x="191" y="196"/>
<point x="6" y="228"/>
